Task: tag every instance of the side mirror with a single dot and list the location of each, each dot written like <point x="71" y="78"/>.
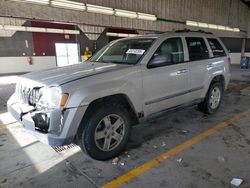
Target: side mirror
<point x="160" y="60"/>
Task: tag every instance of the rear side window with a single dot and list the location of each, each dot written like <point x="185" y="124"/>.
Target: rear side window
<point x="216" y="47"/>
<point x="197" y="48"/>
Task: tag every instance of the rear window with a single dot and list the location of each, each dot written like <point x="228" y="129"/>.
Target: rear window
<point x="197" y="48"/>
<point x="216" y="47"/>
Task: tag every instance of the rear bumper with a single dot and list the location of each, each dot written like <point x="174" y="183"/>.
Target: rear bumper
<point x="62" y="125"/>
<point x="227" y="80"/>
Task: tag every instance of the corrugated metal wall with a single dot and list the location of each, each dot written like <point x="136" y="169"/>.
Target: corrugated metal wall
<point x="232" y="13"/>
<point x="9" y="21"/>
<point x="224" y="12"/>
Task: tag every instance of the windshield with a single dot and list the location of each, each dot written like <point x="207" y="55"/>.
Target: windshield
<point x="127" y="51"/>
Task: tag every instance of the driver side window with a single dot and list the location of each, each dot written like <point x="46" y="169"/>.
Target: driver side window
<point x="173" y="48"/>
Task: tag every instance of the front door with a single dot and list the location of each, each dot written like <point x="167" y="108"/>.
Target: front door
<point x="166" y="86"/>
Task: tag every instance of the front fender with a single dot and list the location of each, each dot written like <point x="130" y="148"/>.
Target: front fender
<point x="80" y="99"/>
<point x="85" y="96"/>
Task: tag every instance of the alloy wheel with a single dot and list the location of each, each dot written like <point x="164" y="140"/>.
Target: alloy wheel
<point x="109" y="132"/>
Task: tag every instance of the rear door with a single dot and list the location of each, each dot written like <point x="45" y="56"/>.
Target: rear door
<point x="199" y="59"/>
<point x="166" y="86"/>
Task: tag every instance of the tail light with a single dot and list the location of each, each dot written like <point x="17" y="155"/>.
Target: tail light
<point x="229" y="61"/>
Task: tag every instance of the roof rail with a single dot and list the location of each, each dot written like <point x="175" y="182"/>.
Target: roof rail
<point x="159" y="32"/>
<point x="188" y="30"/>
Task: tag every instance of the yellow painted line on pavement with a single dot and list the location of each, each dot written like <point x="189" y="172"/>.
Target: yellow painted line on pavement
<point x="13" y="125"/>
<point x="155" y="161"/>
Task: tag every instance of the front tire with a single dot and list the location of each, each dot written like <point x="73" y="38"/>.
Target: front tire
<point x="106" y="131"/>
<point x="213" y="98"/>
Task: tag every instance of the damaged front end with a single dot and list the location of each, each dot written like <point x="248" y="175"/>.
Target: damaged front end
<point x="40" y="110"/>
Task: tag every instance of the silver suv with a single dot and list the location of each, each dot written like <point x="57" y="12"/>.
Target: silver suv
<point x="95" y="103"/>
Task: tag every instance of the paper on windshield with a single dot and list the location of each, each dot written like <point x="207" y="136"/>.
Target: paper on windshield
<point x="135" y="51"/>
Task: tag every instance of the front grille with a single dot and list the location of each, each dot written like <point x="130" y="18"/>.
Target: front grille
<point x="24" y="93"/>
<point x="28" y="95"/>
<point x="34" y="96"/>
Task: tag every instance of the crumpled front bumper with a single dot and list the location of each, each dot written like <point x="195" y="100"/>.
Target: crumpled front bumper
<point x="58" y="131"/>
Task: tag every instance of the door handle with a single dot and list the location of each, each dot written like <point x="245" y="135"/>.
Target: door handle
<point x="183" y="71"/>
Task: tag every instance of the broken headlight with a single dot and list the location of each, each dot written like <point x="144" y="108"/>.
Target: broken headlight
<point x="52" y="98"/>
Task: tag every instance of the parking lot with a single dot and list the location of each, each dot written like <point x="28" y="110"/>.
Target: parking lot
<point x="181" y="148"/>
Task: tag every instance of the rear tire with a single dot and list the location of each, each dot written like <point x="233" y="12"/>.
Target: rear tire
<point x="213" y="99"/>
<point x="105" y="131"/>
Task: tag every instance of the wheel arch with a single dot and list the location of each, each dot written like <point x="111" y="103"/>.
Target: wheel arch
<point x="116" y="98"/>
<point x="210" y="81"/>
<point x="218" y="78"/>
